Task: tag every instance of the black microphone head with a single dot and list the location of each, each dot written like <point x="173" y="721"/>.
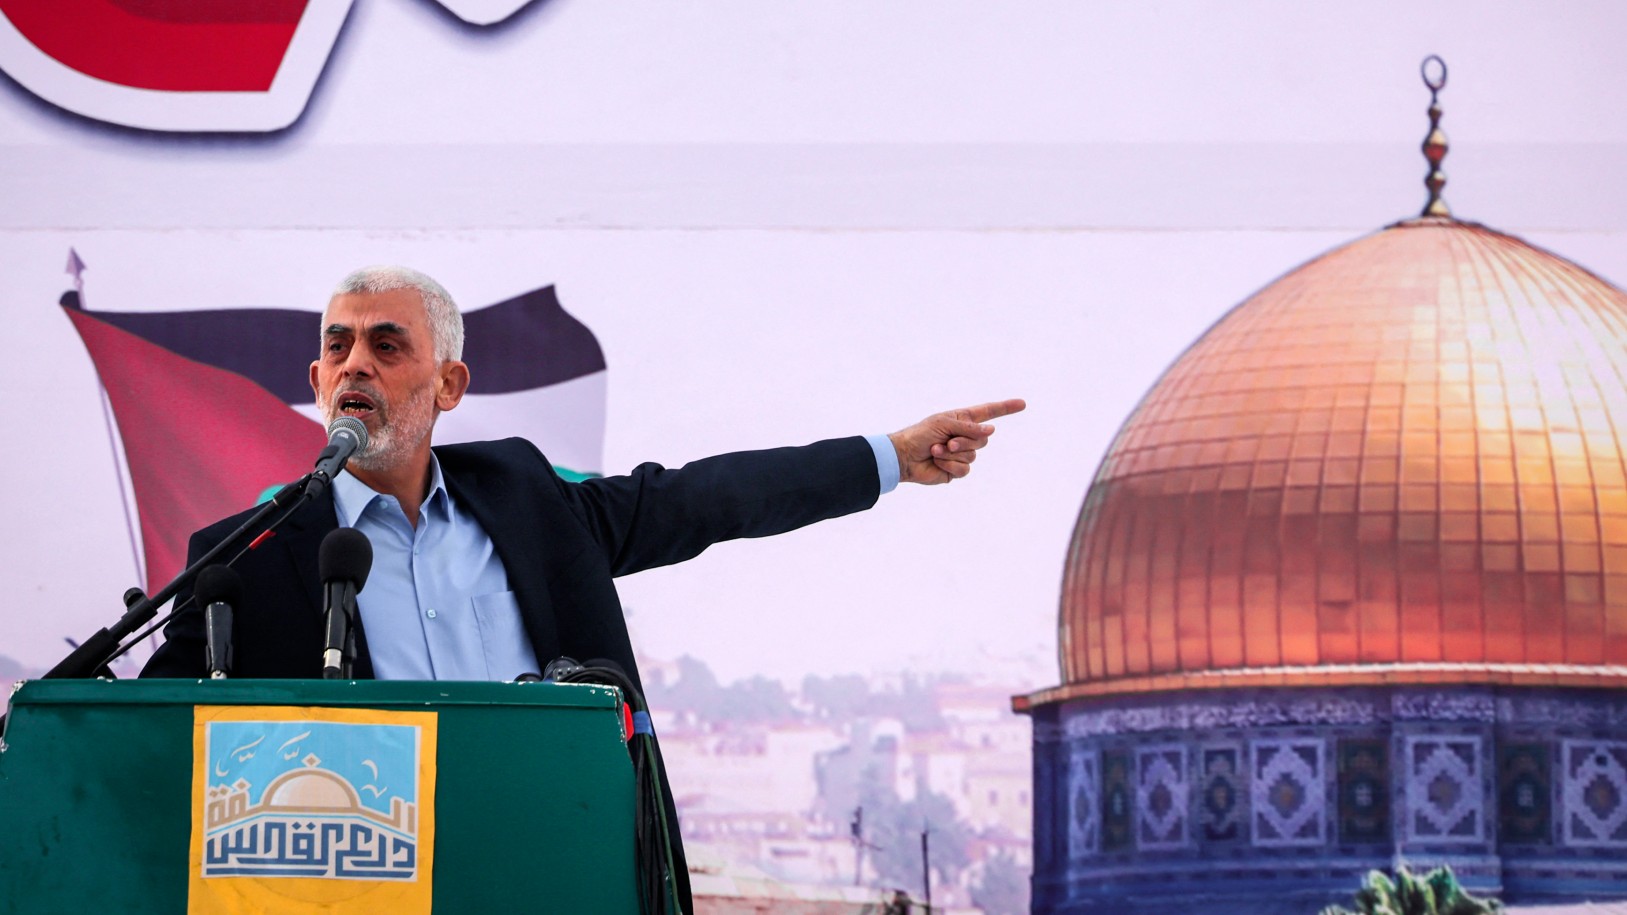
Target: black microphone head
<point x="345" y="555"/>
<point x="348" y="425"/>
<point x="218" y="584"/>
<point x="559" y="667"/>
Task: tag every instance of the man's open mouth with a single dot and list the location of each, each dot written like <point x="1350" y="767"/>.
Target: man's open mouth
<point x="353" y="404"/>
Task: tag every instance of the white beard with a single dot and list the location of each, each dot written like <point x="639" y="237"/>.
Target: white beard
<point x="398" y="432"/>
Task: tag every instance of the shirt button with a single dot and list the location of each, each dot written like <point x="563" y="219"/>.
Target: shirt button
<point x="431" y="613"/>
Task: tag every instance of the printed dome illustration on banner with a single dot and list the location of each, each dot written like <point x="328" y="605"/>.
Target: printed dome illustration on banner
<point x="1351" y="583"/>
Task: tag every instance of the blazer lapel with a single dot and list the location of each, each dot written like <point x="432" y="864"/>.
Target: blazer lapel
<point x="301" y="541"/>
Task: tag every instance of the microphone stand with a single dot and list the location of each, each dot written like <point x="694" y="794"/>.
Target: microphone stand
<point x="92" y="654"/>
<point x="339" y="654"/>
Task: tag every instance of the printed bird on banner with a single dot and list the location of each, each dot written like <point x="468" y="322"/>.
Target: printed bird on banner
<point x="214" y="411"/>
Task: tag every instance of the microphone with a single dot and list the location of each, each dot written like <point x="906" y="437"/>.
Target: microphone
<point x="344" y="559"/>
<point x="218" y="591"/>
<point x="346" y="436"/>
<point x="560" y="668"/>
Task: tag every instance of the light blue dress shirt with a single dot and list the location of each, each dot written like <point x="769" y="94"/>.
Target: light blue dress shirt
<point x="437" y="605"/>
<point x="886" y="461"/>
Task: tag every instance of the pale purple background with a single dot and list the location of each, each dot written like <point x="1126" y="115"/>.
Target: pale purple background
<point x="788" y="221"/>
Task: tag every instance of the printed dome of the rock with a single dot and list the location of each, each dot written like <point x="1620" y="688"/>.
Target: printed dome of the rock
<point x="1408" y="451"/>
<point x="311" y="789"/>
<point x="1350" y="589"/>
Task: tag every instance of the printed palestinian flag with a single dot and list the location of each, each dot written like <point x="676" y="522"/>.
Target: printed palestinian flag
<point x="216" y="413"/>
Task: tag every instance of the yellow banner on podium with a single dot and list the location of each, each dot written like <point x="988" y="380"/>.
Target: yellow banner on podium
<point x="311" y="810"/>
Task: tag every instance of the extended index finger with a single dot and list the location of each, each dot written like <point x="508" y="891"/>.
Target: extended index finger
<point x="982" y="413"/>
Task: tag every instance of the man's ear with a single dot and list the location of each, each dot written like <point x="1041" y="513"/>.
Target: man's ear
<point x="316" y="388"/>
<point x="450" y="386"/>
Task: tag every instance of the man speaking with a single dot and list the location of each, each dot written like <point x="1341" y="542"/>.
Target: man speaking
<point x="486" y="565"/>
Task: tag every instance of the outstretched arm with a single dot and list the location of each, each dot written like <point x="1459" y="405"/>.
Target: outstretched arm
<point x="941" y="447"/>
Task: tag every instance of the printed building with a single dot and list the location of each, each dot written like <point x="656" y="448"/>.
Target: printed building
<point x="1349" y="590"/>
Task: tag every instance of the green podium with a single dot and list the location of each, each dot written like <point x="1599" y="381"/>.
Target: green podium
<point x="121" y="796"/>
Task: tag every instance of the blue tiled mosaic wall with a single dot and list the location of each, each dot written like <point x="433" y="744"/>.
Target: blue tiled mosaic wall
<point x="1280" y="800"/>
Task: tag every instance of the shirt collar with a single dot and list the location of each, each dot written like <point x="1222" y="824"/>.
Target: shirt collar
<point x="351" y="496"/>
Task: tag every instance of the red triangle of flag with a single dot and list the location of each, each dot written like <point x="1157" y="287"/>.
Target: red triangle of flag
<point x="201" y="443"/>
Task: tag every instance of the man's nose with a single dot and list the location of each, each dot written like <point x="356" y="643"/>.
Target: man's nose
<point x="359" y="361"/>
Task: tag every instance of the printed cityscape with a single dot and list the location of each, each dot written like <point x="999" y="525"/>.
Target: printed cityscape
<point x="831" y="784"/>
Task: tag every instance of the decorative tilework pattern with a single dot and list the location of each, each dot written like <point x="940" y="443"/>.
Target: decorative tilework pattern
<point x="1222" y="802"/>
<point x="1364" y="791"/>
<point x="1600" y="714"/>
<point x="1047" y="787"/>
<point x="1324" y="783"/>
<point x="1287" y="793"/>
<point x="1595" y="793"/>
<point x="1524" y="791"/>
<point x="1443" y="706"/>
<point x="1220" y="713"/>
<point x="1162" y="793"/>
<point x="1084" y="821"/>
<point x="1435" y="706"/>
<point x="1445" y="797"/>
<point x="1117" y="800"/>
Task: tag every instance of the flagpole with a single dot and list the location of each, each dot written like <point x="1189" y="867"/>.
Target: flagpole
<point x="76" y="268"/>
<point x="124" y="496"/>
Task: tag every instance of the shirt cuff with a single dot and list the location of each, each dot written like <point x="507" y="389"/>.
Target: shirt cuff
<point x="886" y="461"/>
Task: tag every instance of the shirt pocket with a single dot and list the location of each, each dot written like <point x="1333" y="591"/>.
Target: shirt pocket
<point x="503" y="641"/>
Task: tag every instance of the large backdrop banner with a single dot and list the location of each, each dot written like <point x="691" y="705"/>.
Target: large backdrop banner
<point x="679" y="229"/>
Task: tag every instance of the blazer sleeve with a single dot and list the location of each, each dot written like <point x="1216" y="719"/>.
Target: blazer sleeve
<point x="656" y="516"/>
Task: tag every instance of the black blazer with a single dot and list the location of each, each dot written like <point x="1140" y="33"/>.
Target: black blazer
<point x="561" y="544"/>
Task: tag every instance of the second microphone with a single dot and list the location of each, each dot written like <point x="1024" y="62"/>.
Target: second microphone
<point x="344" y="559"/>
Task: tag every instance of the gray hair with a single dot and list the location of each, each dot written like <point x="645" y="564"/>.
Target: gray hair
<point x="445" y="322"/>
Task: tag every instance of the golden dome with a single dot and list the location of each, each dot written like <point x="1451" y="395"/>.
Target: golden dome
<point x="311" y="789"/>
<point x="1401" y="460"/>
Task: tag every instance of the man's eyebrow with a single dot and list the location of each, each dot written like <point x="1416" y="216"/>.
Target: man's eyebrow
<point x="383" y="327"/>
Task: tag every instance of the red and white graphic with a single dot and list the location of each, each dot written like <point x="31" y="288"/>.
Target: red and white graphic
<point x="484" y="12"/>
<point x="173" y="65"/>
<point x="184" y="65"/>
